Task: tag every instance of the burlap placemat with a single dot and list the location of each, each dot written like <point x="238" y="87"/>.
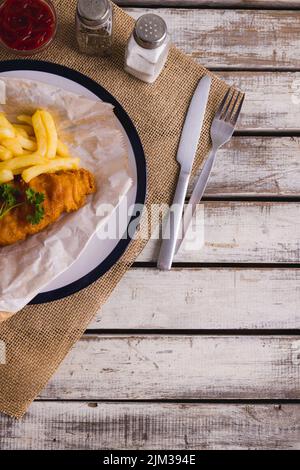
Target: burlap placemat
<point x="38" y="338"/>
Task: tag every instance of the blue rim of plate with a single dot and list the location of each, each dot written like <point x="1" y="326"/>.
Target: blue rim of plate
<point x="141" y="168"/>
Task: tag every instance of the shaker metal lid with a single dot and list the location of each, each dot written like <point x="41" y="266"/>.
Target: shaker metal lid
<point x="94" y="12"/>
<point x="150" y="31"/>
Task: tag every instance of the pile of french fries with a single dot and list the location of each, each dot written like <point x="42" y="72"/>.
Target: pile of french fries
<point x="32" y="147"/>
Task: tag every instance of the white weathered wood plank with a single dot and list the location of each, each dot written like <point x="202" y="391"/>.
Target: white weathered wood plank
<point x="213" y="3"/>
<point x="141" y="367"/>
<point x="256" y="166"/>
<point x="244" y="232"/>
<point x="194" y="299"/>
<point x="245" y="39"/>
<point x="272" y="100"/>
<point x="135" y="426"/>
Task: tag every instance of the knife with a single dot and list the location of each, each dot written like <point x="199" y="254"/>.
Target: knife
<point x="185" y="156"/>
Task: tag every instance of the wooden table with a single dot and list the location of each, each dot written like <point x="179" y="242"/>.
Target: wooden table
<point x="208" y="355"/>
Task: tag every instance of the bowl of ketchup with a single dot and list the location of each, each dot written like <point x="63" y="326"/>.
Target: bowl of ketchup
<point x="27" y="26"/>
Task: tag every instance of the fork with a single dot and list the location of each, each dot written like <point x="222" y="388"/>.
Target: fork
<point x="222" y="129"/>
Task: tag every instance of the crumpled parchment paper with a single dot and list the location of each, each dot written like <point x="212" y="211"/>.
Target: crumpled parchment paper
<point x="92" y="132"/>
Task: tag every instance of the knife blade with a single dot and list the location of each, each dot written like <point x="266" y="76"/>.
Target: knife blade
<point x="185" y="156"/>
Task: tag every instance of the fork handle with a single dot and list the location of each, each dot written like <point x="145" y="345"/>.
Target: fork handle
<point x="172" y="226"/>
<point x="202" y="181"/>
<point x="196" y="196"/>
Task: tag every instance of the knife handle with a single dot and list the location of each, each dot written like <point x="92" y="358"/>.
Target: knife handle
<point x="170" y="233"/>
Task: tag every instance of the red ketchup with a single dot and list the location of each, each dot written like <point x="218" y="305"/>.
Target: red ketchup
<point x="27" y="25"/>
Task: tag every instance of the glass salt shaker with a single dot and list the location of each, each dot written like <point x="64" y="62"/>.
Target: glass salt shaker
<point x="94" y="27"/>
<point x="148" y="48"/>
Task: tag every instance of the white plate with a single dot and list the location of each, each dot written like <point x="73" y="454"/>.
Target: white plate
<point x="100" y="254"/>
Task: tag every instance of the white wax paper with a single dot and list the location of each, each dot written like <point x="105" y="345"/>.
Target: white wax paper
<point x="92" y="132"/>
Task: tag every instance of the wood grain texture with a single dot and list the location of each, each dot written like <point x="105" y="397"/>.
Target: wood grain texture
<point x="134" y="426"/>
<point x="272" y="100"/>
<point x="256" y="166"/>
<point x="213" y="3"/>
<point x="239" y="232"/>
<point x="141" y="367"/>
<point x="245" y="39"/>
<point x="194" y="299"/>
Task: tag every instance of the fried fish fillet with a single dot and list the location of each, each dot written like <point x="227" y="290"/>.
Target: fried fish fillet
<point x="65" y="191"/>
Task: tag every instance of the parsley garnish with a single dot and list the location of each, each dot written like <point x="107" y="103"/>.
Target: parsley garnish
<point x="8" y="199"/>
<point x="36" y="200"/>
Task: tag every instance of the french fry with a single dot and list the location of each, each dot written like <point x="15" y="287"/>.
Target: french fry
<point x="6" y="133"/>
<point x="51" y="134"/>
<point x="14" y="146"/>
<point x="21" y="132"/>
<point x="62" y="149"/>
<point x="26" y="143"/>
<point x="6" y="176"/>
<point x="32" y="147"/>
<point x="4" y="122"/>
<point x="22" y="162"/>
<point x="19" y="171"/>
<point x="25" y="118"/>
<point x="28" y="152"/>
<point x="24" y="127"/>
<point x="41" y="134"/>
<point x="52" y="166"/>
<point x="5" y="154"/>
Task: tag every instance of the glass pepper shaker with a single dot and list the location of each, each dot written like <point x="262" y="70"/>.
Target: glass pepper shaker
<point x="148" y="48"/>
<point x="94" y="27"/>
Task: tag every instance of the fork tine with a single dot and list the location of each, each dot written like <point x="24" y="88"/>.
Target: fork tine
<point x="235" y="115"/>
<point x="229" y="108"/>
<point x="223" y="102"/>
